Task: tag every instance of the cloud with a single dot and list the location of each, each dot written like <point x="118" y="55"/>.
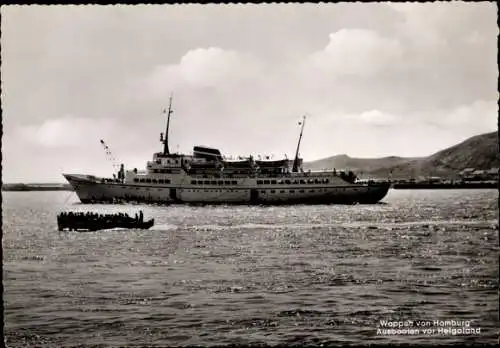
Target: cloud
<point x="357" y="52"/>
<point x="67" y="132"/>
<point x="475" y="118"/>
<point x="203" y="68"/>
<point x="479" y="117"/>
<point x="214" y="66"/>
<point x="378" y="118"/>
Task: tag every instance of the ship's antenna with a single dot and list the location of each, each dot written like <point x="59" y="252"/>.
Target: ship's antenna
<point x="296" y="160"/>
<point x="165" y="140"/>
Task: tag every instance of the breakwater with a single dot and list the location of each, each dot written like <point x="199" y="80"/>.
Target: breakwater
<point x="36" y="187"/>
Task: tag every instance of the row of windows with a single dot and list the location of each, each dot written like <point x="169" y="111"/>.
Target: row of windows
<point x="208" y="190"/>
<point x="214" y="182"/>
<point x="153" y="181"/>
<point x="237" y="171"/>
<point x="137" y="188"/>
<point x="109" y="180"/>
<point x="168" y="161"/>
<point x="234" y="182"/>
<point x="293" y="191"/>
<point x="261" y="191"/>
<point x="164" y="171"/>
<point x="294" y="182"/>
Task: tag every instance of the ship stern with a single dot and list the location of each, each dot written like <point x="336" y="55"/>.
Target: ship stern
<point x="375" y="193"/>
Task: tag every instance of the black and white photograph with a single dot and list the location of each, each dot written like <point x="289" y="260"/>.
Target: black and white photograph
<point x="251" y="174"/>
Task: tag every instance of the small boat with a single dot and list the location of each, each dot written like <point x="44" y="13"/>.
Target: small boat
<point x="77" y="221"/>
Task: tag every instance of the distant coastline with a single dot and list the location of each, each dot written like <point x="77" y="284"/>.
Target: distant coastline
<point x="36" y="187"/>
<point x="446" y="185"/>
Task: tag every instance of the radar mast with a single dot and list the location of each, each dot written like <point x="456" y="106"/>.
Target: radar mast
<point x="295" y="168"/>
<point x="165" y="140"/>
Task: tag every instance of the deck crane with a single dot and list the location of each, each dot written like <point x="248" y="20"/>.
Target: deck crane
<point x="109" y="156"/>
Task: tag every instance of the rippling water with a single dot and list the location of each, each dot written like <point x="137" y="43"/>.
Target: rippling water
<point x="247" y="275"/>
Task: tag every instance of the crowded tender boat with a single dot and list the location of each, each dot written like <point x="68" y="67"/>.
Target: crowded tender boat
<point x="79" y="221"/>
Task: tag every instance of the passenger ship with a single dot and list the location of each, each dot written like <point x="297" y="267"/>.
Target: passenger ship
<point x="206" y="177"/>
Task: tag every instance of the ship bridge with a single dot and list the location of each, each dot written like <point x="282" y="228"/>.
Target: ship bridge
<point x="210" y="154"/>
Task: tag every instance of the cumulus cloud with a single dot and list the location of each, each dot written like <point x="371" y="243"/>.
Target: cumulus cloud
<point x="215" y="66"/>
<point x="377" y="118"/>
<point x="201" y="68"/>
<point x="357" y="52"/>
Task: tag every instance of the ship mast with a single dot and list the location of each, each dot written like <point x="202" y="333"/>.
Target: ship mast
<point x="165" y="140"/>
<point x="295" y="168"/>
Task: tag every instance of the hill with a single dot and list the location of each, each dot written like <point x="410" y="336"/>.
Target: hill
<point x="367" y="165"/>
<point x="479" y="152"/>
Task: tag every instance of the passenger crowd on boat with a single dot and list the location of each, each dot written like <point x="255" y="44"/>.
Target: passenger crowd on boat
<point x="66" y="217"/>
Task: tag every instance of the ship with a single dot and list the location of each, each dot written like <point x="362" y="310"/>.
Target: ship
<point x="208" y="177"/>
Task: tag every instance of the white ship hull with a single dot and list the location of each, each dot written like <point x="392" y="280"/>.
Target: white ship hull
<point x="91" y="189"/>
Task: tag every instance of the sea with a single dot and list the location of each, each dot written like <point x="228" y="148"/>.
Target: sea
<point x="421" y="267"/>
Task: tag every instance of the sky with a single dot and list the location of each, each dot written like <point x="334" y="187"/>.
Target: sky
<point x="374" y="79"/>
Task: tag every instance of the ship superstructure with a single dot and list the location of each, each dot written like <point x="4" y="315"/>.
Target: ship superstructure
<point x="207" y="177"/>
